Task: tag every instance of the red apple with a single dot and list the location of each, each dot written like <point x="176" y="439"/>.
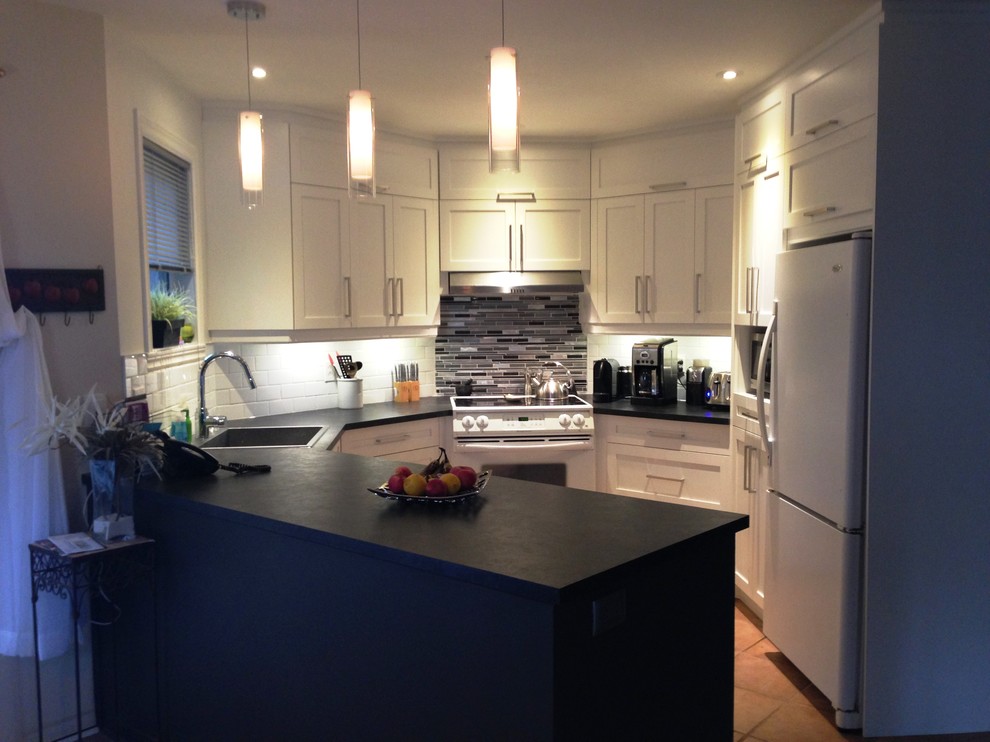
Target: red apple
<point x="53" y="294"/>
<point x="466" y="474"/>
<point x="403" y="471"/>
<point x="436" y="488"/>
<point x="395" y="483"/>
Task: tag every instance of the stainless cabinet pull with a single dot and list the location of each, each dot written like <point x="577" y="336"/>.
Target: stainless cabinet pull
<point x="522" y="259"/>
<point x="819" y="211"/>
<point x="672" y="186"/>
<point x="402" y="297"/>
<point x="389" y="297"/>
<point x="391" y="438"/>
<point x="746" y="462"/>
<point x="752" y="158"/>
<point x="756" y="290"/>
<point x="510" y="247"/>
<point x="697" y="293"/>
<point x="823" y="125"/>
<point x="662" y="434"/>
<point x="647" y="292"/>
<point x="639" y="281"/>
<point x="749" y="290"/>
<point x="347" y="295"/>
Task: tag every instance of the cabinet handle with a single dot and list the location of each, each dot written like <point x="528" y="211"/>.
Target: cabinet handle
<point x="662" y="434"/>
<point x="391" y="438"/>
<point x="756" y="290"/>
<point x="749" y="290"/>
<point x="639" y="282"/>
<point x="510" y="247"/>
<point x="402" y="297"/>
<point x="752" y="158"/>
<point x="347" y="296"/>
<point x="672" y="186"/>
<point x="819" y="211"/>
<point x="383" y="188"/>
<point x="697" y="293"/>
<point x="746" y="468"/>
<point x="390" y="298"/>
<point x="522" y="259"/>
<point x="823" y="125"/>
<point x="647" y="281"/>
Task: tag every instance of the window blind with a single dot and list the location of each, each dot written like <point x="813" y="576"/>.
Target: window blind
<point x="167" y="213"/>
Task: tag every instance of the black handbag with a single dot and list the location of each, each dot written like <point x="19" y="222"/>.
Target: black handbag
<point x="183" y="460"/>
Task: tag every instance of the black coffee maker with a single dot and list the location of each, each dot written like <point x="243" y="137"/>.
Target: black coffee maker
<point x="654" y="368"/>
<point x="604" y="377"/>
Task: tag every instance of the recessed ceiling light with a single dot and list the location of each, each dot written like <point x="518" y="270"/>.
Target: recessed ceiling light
<point x="259" y="73"/>
<point x="727" y="74"/>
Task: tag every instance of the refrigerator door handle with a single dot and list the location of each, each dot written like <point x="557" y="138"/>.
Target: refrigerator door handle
<point x="761" y="400"/>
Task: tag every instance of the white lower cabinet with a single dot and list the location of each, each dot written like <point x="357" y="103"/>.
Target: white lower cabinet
<point x="750" y="479"/>
<point x="415" y="442"/>
<point x="665" y="460"/>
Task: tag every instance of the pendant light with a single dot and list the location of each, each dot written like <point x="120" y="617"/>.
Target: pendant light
<point x="360" y="135"/>
<point x="250" y="148"/>
<point x="503" y="108"/>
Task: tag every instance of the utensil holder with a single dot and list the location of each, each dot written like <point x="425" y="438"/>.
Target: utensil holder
<point x="350" y="394"/>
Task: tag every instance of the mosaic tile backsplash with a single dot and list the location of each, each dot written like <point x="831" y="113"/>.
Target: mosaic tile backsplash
<point x="493" y="339"/>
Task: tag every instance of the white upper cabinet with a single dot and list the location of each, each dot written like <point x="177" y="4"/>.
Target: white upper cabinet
<point x="322" y="293"/>
<point x="760" y="133"/>
<point x="248" y="252"/>
<point x="318" y="154"/>
<point x="547" y="172"/>
<point x="405" y="169"/>
<point x="759" y="239"/>
<point x="666" y="162"/>
<point x="834" y="90"/>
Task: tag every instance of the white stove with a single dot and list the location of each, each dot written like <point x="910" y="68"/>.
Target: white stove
<point x="522" y="419"/>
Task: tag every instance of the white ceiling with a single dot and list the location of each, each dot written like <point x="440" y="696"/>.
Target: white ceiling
<point x="588" y="69"/>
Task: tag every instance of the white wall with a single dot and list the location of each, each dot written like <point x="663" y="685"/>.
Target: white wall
<point x="927" y="662"/>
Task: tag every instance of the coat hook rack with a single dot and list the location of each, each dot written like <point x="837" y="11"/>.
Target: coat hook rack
<point x="63" y="290"/>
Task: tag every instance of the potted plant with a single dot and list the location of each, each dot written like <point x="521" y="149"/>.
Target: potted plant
<point x="117" y="453"/>
<point x="170" y="309"/>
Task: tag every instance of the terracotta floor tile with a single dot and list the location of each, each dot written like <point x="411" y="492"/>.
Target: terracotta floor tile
<point x="751" y="708"/>
<point x="747" y="635"/>
<point x="759" y="674"/>
<point x="794" y="722"/>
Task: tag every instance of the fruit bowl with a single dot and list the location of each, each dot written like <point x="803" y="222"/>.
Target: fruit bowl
<point x="460" y="496"/>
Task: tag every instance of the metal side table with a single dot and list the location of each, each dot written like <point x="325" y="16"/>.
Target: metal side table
<point x="77" y="576"/>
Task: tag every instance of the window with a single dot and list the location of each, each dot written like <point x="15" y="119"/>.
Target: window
<point x="168" y="227"/>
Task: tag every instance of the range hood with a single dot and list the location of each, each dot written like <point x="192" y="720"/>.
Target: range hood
<point x="515" y="282"/>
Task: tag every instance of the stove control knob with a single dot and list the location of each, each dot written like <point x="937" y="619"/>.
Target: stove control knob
<point x="482" y="421"/>
<point x="468" y="422"/>
<point x="578" y="420"/>
<point x="564" y="420"/>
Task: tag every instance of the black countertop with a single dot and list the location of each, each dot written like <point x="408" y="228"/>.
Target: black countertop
<point x="680" y="411"/>
<point x="535" y="540"/>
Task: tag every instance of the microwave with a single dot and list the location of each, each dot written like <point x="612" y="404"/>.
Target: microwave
<point x="756" y="344"/>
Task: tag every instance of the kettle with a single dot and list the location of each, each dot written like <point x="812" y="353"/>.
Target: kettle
<point x="542" y="385"/>
<point x="719" y="393"/>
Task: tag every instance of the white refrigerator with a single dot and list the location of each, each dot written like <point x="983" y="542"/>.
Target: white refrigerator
<point x="816" y="436"/>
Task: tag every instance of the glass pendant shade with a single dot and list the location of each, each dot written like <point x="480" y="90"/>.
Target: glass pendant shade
<point x="361" y="144"/>
<point x="503" y="111"/>
<point x="252" y="156"/>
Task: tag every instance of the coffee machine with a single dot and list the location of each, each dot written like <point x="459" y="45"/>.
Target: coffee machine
<point x="605" y="375"/>
<point x="654" y="371"/>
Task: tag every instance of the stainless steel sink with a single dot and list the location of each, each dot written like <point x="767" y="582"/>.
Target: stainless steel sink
<point x="274" y="437"/>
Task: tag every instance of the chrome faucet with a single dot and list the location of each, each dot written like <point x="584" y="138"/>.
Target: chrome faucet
<point x="206" y="419"/>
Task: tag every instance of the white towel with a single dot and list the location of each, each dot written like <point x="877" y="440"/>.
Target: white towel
<point x="32" y="496"/>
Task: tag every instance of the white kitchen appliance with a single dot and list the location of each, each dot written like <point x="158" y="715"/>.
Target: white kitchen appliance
<point x="816" y="442"/>
<point x="523" y="437"/>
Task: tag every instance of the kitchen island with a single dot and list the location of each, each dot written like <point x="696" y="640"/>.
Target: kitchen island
<point x="298" y="605"/>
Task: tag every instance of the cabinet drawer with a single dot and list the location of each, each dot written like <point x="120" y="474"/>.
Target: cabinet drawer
<point x="670" y="434"/>
<point x="394" y="439"/>
<point x="837" y="89"/>
<point x="831" y="178"/>
<point x="682" y="477"/>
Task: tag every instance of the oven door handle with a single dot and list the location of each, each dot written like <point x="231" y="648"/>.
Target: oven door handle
<point x="497" y="445"/>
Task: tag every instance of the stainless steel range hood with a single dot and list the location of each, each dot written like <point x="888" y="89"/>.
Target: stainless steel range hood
<point x="515" y="282"/>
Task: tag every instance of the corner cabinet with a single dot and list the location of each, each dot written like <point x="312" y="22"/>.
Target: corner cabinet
<point x="664" y="257"/>
<point x="665" y="460"/>
<point x="415" y="442"/>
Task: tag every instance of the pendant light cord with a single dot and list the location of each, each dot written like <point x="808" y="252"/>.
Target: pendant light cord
<point x="247" y="52"/>
<point x="360" y="87"/>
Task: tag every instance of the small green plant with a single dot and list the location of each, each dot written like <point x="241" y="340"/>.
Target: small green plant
<point x="171" y="304"/>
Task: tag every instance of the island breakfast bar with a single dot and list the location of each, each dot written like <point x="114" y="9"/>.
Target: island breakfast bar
<point x="299" y="605"/>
